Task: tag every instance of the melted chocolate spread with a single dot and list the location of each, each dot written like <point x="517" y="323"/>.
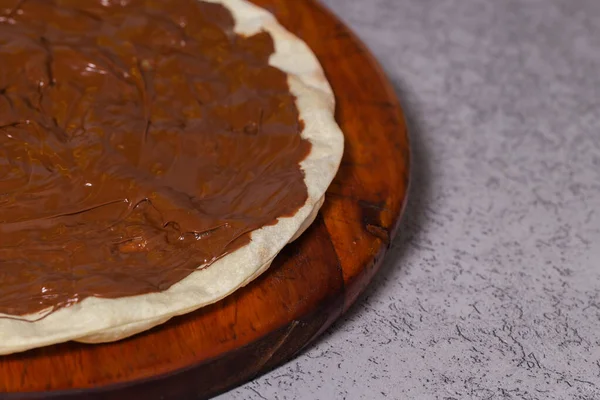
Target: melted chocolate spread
<point x="139" y="140"/>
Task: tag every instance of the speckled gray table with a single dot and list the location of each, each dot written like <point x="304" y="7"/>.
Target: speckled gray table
<point x="492" y="288"/>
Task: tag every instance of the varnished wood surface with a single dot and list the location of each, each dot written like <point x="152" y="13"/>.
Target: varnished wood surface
<point x="308" y="286"/>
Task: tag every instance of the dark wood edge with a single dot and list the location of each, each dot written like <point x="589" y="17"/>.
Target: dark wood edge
<point x="137" y="388"/>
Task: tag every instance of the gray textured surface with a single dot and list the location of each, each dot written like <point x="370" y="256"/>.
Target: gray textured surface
<point x="492" y="289"/>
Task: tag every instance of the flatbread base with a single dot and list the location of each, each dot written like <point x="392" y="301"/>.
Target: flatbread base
<point x="96" y="320"/>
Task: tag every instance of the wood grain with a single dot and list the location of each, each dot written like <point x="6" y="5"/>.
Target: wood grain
<point x="309" y="285"/>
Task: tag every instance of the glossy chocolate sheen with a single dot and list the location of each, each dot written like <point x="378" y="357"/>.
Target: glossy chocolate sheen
<point x="139" y="140"/>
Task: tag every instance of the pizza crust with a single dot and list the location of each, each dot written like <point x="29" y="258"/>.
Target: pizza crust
<point x="96" y="320"/>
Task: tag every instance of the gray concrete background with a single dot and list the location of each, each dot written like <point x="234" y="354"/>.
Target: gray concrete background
<point x="492" y="288"/>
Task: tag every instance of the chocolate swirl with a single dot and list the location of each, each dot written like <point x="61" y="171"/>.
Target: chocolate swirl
<point x="139" y="140"/>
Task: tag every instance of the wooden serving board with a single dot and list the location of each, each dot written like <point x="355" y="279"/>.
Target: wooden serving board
<point x="310" y="284"/>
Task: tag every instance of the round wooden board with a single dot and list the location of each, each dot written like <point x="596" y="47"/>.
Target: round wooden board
<point x="310" y="284"/>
